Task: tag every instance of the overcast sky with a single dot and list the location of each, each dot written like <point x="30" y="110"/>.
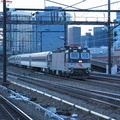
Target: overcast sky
<point x="84" y="4"/>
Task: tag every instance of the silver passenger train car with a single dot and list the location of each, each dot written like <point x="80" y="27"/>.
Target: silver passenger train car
<point x="71" y="62"/>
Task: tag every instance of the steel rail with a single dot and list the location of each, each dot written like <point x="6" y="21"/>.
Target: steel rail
<point x="19" y="113"/>
<point x="64" y="101"/>
<point x="105" y="79"/>
<point x="10" y="116"/>
<point x="72" y="91"/>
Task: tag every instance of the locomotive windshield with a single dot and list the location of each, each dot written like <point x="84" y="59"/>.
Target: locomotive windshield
<point x="85" y="55"/>
<point x="74" y="55"/>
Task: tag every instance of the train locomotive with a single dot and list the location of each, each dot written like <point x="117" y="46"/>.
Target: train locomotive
<point x="73" y="62"/>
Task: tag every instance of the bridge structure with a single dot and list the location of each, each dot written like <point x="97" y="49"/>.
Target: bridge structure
<point x="63" y="20"/>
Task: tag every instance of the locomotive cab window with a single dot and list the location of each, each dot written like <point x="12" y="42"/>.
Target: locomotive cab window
<point x="85" y="55"/>
<point x="74" y="55"/>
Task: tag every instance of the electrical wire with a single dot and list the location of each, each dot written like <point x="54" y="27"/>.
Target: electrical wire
<point x="103" y="5"/>
<point x="76" y="4"/>
<point x="64" y="5"/>
<point x="67" y="5"/>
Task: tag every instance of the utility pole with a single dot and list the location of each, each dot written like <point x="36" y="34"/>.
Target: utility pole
<point x="5" y="83"/>
<point x="65" y="30"/>
<point x="109" y="40"/>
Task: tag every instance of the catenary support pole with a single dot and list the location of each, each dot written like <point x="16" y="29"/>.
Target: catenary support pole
<point x="65" y="31"/>
<point x="4" y="44"/>
<point x="109" y="40"/>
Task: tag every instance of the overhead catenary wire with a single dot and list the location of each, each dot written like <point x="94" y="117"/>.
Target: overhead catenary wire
<point x="67" y="5"/>
<point x="103" y="5"/>
<point x="76" y="7"/>
<point x="64" y="5"/>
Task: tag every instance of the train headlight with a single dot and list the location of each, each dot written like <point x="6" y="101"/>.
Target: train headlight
<point x="79" y="47"/>
<point x="80" y="61"/>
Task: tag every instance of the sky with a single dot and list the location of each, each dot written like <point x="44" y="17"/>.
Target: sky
<point x="83" y="4"/>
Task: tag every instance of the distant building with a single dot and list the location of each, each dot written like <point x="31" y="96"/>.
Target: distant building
<point x="117" y="15"/>
<point x="116" y="43"/>
<point x="100" y="37"/>
<point x="87" y="40"/>
<point x="74" y="36"/>
<point x="116" y="37"/>
<point x="48" y="37"/>
<point x="19" y="35"/>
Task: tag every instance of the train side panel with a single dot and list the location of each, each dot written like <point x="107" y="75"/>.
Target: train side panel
<point x="24" y="60"/>
<point x="11" y="59"/>
<point x="58" y="62"/>
<point x="40" y="60"/>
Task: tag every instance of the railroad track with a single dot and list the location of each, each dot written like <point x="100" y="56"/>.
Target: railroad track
<point x="9" y="111"/>
<point x="106" y="77"/>
<point x="112" y="80"/>
<point x="109" y="99"/>
<point x="100" y="78"/>
<point x="97" y="79"/>
<point x="63" y="89"/>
